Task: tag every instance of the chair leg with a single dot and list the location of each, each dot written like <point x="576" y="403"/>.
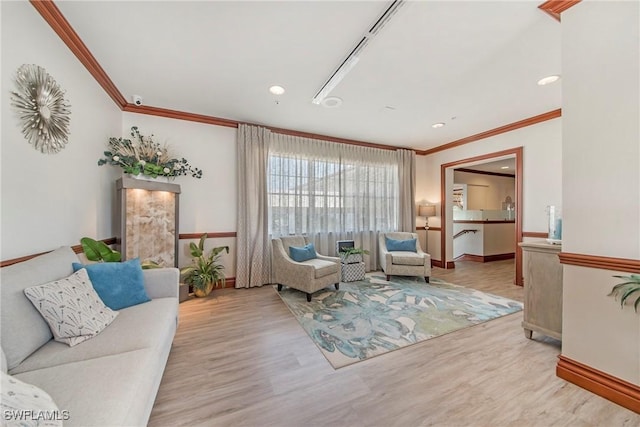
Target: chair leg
<point x="337" y="286"/>
<point x="308" y="297"/>
<point x="388" y="277"/>
<point x="279" y="287"/>
<point x="426" y="279"/>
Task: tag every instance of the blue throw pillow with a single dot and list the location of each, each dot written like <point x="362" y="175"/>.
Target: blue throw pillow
<point x="119" y="284"/>
<point x="304" y="253"/>
<point x="408" y="245"/>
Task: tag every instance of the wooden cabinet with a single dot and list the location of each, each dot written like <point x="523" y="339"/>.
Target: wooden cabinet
<point x="542" y="289"/>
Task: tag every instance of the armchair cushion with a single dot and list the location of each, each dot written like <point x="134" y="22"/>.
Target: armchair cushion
<point x="407" y="258"/>
<point x="323" y="267"/>
<point x="408" y="245"/>
<point x="302" y="254"/>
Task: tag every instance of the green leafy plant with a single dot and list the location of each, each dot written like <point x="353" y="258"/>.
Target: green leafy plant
<point x="205" y="271"/>
<point x="353" y="251"/>
<point x="142" y="155"/>
<point x="625" y="289"/>
<point x="96" y="250"/>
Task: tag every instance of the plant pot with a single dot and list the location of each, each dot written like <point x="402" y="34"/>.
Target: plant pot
<point x="144" y="177"/>
<point x="203" y="292"/>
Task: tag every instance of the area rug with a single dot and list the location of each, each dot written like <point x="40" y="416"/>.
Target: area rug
<point x="373" y="316"/>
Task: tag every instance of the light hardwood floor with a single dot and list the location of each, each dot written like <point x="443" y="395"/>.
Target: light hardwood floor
<point x="241" y="359"/>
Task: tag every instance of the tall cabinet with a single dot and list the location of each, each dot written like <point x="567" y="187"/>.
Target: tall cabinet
<point x="148" y="220"/>
<point x="542" y="289"/>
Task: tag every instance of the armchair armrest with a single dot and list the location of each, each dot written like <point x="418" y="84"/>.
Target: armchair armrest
<point x="162" y="282"/>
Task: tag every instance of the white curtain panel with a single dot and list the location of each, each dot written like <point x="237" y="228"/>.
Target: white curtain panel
<point x="407" y="179"/>
<point x="253" y="260"/>
<point x="329" y="191"/>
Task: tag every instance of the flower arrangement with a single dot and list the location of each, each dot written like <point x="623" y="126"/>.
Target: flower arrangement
<point x="143" y="155"/>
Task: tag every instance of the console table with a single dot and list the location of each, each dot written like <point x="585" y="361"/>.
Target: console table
<point x="542" y="289"/>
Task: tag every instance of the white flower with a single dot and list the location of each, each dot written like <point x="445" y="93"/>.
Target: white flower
<point x="176" y="166"/>
<point x="116" y="158"/>
<point x="159" y="153"/>
<point x="166" y="170"/>
<point x="142" y="162"/>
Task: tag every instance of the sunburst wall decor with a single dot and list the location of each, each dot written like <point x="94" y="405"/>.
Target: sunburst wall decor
<point x="42" y="109"/>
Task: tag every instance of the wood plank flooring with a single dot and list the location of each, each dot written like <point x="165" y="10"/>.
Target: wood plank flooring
<point x="241" y="359"/>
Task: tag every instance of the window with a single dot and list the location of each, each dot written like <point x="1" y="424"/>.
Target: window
<point x="331" y="191"/>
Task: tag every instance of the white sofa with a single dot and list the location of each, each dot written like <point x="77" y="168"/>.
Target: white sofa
<point x="109" y="380"/>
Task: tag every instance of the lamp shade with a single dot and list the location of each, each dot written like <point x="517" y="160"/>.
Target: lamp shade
<point x="427" y="210"/>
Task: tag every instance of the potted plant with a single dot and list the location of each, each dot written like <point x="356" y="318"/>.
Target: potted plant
<point x="205" y="271"/>
<point x="141" y="155"/>
<point x="98" y="251"/>
<point x="351" y="255"/>
<point x="624" y="290"/>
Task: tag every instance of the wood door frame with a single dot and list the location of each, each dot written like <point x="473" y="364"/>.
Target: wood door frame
<point x="517" y="152"/>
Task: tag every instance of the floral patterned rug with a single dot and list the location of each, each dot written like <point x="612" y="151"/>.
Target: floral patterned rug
<point x="372" y="317"/>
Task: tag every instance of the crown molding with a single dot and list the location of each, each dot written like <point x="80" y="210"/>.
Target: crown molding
<point x="52" y="15"/>
<point x="493" y="132"/>
<point x="555" y="7"/>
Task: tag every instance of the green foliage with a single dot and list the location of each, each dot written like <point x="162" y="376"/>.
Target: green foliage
<point x="624" y="290"/>
<point x="353" y="251"/>
<point x="205" y="268"/>
<point x="99" y="251"/>
<point x="148" y="265"/>
<point x="143" y="155"/>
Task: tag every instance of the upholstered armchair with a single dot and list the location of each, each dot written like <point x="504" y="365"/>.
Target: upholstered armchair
<point x="307" y="276"/>
<point x="405" y="262"/>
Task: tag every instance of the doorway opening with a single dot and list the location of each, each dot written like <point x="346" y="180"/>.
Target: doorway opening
<point x="449" y="200"/>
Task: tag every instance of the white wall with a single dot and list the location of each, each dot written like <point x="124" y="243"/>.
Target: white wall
<point x="207" y="204"/>
<point x="52" y="200"/>
<point x="542" y="164"/>
<point x="601" y="182"/>
<point x="489" y="190"/>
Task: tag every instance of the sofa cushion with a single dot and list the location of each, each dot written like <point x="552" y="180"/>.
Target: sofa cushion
<point x="322" y="267"/>
<point x="23" y="403"/>
<point x="22" y="328"/>
<point x="119" y="284"/>
<point x="302" y="254"/>
<point x="148" y="325"/>
<point x="408" y="245"/>
<point x="115" y="390"/>
<point x="407" y="258"/>
<point x="71" y="307"/>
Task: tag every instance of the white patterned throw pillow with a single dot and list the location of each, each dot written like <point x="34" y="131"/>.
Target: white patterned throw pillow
<point x="71" y="307"/>
<point x="26" y="405"/>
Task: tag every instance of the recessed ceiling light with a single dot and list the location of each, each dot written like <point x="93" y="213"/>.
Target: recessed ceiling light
<point x="437" y="125"/>
<point x="276" y="90"/>
<point x="548" y="80"/>
<point x="504" y="167"/>
<point x="331" y="102"/>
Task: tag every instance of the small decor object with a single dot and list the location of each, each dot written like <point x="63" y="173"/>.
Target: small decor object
<point x="352" y="255"/>
<point x="142" y="155"/>
<point x="555" y="225"/>
<point x="205" y="272"/>
<point x="42" y="109"/>
<point x="625" y="289"/>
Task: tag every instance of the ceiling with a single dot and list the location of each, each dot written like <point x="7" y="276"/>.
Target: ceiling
<point x="472" y="65"/>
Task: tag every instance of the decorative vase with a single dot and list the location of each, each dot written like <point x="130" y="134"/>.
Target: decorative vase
<point x="203" y="292"/>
